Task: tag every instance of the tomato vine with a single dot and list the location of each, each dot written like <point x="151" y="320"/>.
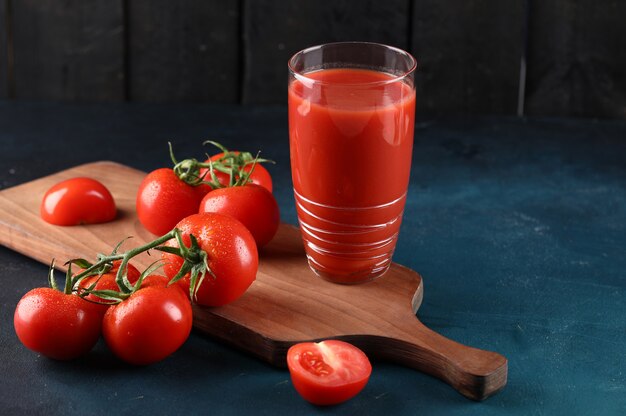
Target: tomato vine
<point x="238" y="166"/>
<point x="195" y="262"/>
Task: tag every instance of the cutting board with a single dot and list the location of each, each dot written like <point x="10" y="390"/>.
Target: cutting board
<point x="286" y="304"/>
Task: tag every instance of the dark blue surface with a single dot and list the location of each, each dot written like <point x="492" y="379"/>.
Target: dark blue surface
<point x="518" y="228"/>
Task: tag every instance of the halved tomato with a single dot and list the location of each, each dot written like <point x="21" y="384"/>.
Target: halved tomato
<point x="77" y="201"/>
<point x="328" y="372"/>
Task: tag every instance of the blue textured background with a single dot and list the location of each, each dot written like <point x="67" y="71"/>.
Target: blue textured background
<point x="518" y="228"/>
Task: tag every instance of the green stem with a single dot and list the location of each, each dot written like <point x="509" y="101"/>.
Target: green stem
<point x="119" y="277"/>
<point x="195" y="262"/>
<point x="124" y="285"/>
<point x="74" y="280"/>
<point x="51" y="281"/>
<point x="230" y="163"/>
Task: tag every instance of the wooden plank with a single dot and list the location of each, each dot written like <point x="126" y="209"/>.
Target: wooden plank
<point x="577" y="57"/>
<point x="4" y="62"/>
<point x="70" y="50"/>
<point x="468" y="54"/>
<point x="184" y="51"/>
<point x="274" y="30"/>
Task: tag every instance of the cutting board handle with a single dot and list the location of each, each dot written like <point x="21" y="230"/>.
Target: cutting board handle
<point x="475" y="373"/>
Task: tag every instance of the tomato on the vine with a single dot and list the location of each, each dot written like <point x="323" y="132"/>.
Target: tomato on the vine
<point x="232" y="257"/>
<point x="164" y="199"/>
<point x="78" y="201"/>
<point x="106" y="281"/>
<point x="259" y="176"/>
<point x="151" y="324"/>
<point x="253" y="205"/>
<point x="166" y="196"/>
<point x="328" y="372"/>
<point x="58" y="325"/>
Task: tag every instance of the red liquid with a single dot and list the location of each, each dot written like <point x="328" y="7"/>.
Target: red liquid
<point x="351" y="138"/>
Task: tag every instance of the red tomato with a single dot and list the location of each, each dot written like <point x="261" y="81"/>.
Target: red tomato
<point x="328" y="372"/>
<point x="260" y="175"/>
<point x="149" y="325"/>
<point x="57" y="325"/>
<point x="232" y="257"/>
<point x="77" y="201"/>
<point x="107" y="282"/>
<point x="163" y="200"/>
<point x="253" y="205"/>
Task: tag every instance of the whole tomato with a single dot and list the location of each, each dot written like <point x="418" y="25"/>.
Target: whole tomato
<point x="164" y="199"/>
<point x="57" y="325"/>
<point x="106" y="281"/>
<point x="77" y="201"/>
<point x="259" y="176"/>
<point x="253" y="205"/>
<point x="328" y="372"/>
<point x="231" y="256"/>
<point x="149" y="325"/>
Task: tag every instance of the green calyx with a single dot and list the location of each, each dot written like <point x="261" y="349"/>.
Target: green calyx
<point x="234" y="164"/>
<point x="195" y="262"/>
<point x="237" y="165"/>
<point x="188" y="170"/>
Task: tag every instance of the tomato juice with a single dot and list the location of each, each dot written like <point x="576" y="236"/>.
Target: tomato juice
<point x="351" y="140"/>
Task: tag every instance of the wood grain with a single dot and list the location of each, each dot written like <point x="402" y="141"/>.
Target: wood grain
<point x="286" y="304"/>
<point x="70" y="50"/>
<point x="274" y="30"/>
<point x="4" y="62"/>
<point x="183" y="51"/>
<point x="577" y="58"/>
<point x="468" y="55"/>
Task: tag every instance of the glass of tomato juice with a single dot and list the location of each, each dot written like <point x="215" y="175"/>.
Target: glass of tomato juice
<point x="351" y="123"/>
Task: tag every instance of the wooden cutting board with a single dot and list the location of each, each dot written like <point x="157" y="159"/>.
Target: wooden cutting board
<point x="286" y="304"/>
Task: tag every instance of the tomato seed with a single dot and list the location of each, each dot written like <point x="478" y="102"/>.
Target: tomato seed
<point x="315" y="364"/>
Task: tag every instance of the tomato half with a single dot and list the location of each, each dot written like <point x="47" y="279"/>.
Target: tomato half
<point x="163" y="200"/>
<point x="57" y="325"/>
<point x="253" y="205"/>
<point x="77" y="201"/>
<point x="328" y="372"/>
<point x="232" y="257"/>
<point x="150" y="325"/>
<point x="260" y="176"/>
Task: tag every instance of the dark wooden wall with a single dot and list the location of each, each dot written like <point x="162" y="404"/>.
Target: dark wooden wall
<point x="532" y="57"/>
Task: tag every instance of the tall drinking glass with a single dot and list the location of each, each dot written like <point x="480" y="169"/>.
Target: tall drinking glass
<point x="351" y="122"/>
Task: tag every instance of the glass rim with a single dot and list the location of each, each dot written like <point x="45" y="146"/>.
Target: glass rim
<point x="302" y="77"/>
